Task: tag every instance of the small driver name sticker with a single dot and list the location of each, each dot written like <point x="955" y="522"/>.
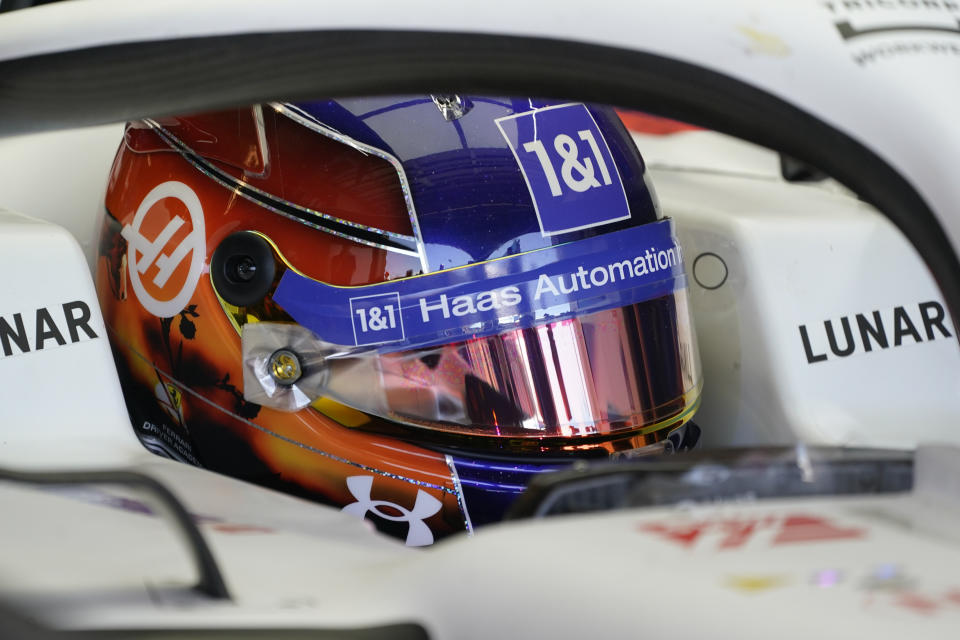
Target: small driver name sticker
<point x="569" y="170"/>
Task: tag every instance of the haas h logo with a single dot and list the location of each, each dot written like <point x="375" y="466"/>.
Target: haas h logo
<point x="419" y="533"/>
<point x="166" y="289"/>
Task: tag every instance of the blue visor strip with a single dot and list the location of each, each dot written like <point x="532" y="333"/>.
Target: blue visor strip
<point x="516" y="292"/>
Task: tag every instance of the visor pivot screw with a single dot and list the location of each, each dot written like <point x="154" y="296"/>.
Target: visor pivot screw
<point x="284" y="367"/>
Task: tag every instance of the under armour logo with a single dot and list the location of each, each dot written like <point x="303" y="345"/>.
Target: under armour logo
<point x="419" y="533"/>
<point x="160" y="296"/>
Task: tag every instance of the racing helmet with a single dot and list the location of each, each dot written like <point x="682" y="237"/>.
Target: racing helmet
<point x="403" y="306"/>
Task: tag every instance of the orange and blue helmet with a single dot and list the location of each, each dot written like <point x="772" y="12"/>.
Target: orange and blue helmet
<point x="402" y="306"/>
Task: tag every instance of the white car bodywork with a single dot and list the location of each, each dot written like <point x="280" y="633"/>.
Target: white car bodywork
<point x="289" y="563"/>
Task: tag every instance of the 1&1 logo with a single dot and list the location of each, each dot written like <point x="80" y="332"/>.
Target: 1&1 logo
<point x="571" y="174"/>
<point x="164" y="282"/>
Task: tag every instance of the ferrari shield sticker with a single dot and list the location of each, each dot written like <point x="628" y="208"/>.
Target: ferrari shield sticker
<point x="568" y="168"/>
<point x="164" y="281"/>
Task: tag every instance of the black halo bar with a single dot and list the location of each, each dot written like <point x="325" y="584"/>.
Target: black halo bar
<point x="14" y="5"/>
<point x="17" y="624"/>
<point x="211" y="580"/>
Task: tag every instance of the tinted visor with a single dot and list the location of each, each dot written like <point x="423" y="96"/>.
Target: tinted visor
<point x="631" y="370"/>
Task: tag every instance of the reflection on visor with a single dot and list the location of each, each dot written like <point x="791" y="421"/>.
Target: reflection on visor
<point x="631" y="369"/>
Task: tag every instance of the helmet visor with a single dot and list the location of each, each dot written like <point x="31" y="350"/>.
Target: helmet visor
<point x="622" y="371"/>
<point x="629" y="369"/>
<point x="589" y="339"/>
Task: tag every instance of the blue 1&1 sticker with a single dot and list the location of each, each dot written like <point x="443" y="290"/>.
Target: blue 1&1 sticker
<point x="568" y="167"/>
